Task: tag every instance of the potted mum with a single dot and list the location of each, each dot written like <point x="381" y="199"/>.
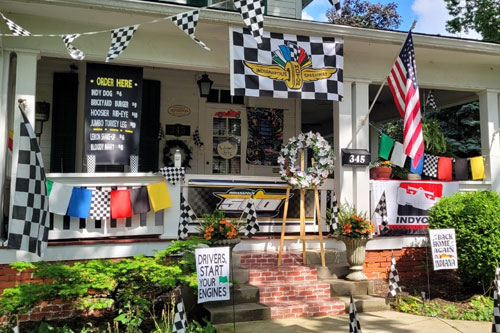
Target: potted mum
<point x="219" y="230"/>
<point x="380" y="170"/>
<point x="355" y="231"/>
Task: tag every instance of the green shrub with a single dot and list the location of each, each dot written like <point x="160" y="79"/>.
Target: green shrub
<point x="475" y="216"/>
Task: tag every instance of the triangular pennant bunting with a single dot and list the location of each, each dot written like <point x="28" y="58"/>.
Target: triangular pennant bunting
<point x="354" y="324"/>
<point x="120" y="38"/>
<point x="180" y="319"/>
<point x="336" y="6"/>
<point x="381" y="210"/>
<point x="477" y="167"/>
<point x="79" y="204"/>
<point x="173" y="175"/>
<point x="430" y="101"/>
<point x="496" y="302"/>
<point x="419" y="166"/>
<point x="253" y="16"/>
<point x="120" y="204"/>
<point x="59" y="198"/>
<point x="430" y="165"/>
<point x="445" y="168"/>
<point x="187" y="216"/>
<point x="461" y="169"/>
<point x="394" y="287"/>
<point x="73" y="51"/>
<point x="159" y="196"/>
<point x="187" y="23"/>
<point x="140" y="200"/>
<point x="250" y="215"/>
<point x="386" y="143"/>
<point x="15" y="29"/>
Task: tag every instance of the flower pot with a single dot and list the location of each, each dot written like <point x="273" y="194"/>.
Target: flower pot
<point x="227" y="242"/>
<point x="380" y="173"/>
<point x="355" y="254"/>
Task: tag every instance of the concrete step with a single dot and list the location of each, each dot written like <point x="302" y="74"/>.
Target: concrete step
<point x="243" y="293"/>
<point x="240" y="275"/>
<point x="280" y="292"/>
<point x="366" y="303"/>
<point x="284" y="274"/>
<point x="220" y="314"/>
<point x="306" y="308"/>
<point x="332" y="257"/>
<point x="341" y="287"/>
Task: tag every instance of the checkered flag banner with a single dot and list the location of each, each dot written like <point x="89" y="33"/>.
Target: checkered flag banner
<point x="187" y="216"/>
<point x="14" y="28"/>
<point x="187" y="22"/>
<point x="496" y="303"/>
<point x="173" y="175"/>
<point x="250" y="214"/>
<point x="73" y="51"/>
<point x="120" y="38"/>
<point x="430" y="101"/>
<point x="381" y="210"/>
<point x="336" y="6"/>
<point x="180" y="319"/>
<point x="394" y="287"/>
<point x="354" y="325"/>
<point x="333" y="221"/>
<point x="197" y="140"/>
<point x="430" y="165"/>
<point x="160" y="132"/>
<point x="29" y="225"/>
<point x="252" y="13"/>
<point x="100" y="205"/>
<point x="286" y="66"/>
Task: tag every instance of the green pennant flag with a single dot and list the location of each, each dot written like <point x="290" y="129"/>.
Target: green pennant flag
<point x="49" y="185"/>
<point x="386" y="143"/>
<point x="222" y="279"/>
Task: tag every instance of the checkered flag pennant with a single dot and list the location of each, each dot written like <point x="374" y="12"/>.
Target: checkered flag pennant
<point x="187" y="216"/>
<point x="120" y="38"/>
<point x="100" y="205"/>
<point x="430" y="165"/>
<point x="336" y="6"/>
<point x="381" y="210"/>
<point x="187" y="23"/>
<point x="160" y="132"/>
<point x="430" y="100"/>
<point x="180" y="318"/>
<point x="331" y="202"/>
<point x="14" y="28"/>
<point x="394" y="287"/>
<point x="29" y="226"/>
<point x="264" y="71"/>
<point x="252" y="13"/>
<point x="496" y="303"/>
<point x="196" y="139"/>
<point x="354" y="325"/>
<point x="250" y="214"/>
<point x="173" y="175"/>
<point x="73" y="51"/>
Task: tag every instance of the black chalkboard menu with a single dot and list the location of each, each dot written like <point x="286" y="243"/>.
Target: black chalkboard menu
<point x="113" y="100"/>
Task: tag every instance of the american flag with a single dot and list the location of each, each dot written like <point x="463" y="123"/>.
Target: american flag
<point x="403" y="83"/>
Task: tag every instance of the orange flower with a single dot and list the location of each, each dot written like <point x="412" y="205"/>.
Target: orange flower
<point x="224" y="222"/>
<point x="347" y="228"/>
<point x="208" y="236"/>
<point x="357" y="218"/>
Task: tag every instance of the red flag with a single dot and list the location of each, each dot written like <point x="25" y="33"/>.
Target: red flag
<point x="402" y="81"/>
<point x="444" y="168"/>
<point x="120" y="204"/>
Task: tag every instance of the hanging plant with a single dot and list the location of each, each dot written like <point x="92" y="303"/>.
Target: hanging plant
<point x="168" y="156"/>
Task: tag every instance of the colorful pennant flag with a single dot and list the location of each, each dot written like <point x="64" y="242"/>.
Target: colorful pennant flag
<point x="336" y="6"/>
<point x="159" y="196"/>
<point x="381" y="210"/>
<point x="100" y="205"/>
<point x="29" y="225"/>
<point x="120" y="204"/>
<point x="73" y="51"/>
<point x="79" y="204"/>
<point x="445" y="168"/>
<point x="461" y="169"/>
<point x="15" y="29"/>
<point x="398" y="156"/>
<point x="250" y="215"/>
<point x="180" y="319"/>
<point x="430" y="165"/>
<point x="354" y="325"/>
<point x="386" y="143"/>
<point x="120" y="38"/>
<point x="430" y="100"/>
<point x="477" y="167"/>
<point x="59" y="198"/>
<point x="140" y="200"/>
<point x="252" y="13"/>
<point x="394" y="287"/>
<point x="187" y="216"/>
<point x="49" y="183"/>
<point x="187" y="23"/>
<point x="419" y="168"/>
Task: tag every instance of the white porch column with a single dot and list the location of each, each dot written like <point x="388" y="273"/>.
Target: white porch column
<point x="361" y="140"/>
<point x="342" y="129"/>
<point x="490" y="135"/>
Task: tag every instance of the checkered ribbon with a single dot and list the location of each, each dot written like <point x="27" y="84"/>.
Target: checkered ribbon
<point x="100" y="205"/>
<point x="250" y="214"/>
<point x="180" y="319"/>
<point x="187" y="216"/>
<point x="29" y="226"/>
<point x="331" y="202"/>
<point x="196" y="139"/>
<point x="381" y="210"/>
<point x="496" y="303"/>
<point x="14" y="28"/>
<point x="430" y="165"/>
<point x="187" y="23"/>
<point x="252" y="13"/>
<point x="173" y="175"/>
<point x="430" y="101"/>
<point x="336" y="6"/>
<point x="73" y="51"/>
<point x="354" y="325"/>
<point x="394" y="287"/>
<point x="120" y="38"/>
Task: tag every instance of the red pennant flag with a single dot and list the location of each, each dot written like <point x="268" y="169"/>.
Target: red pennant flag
<point x="444" y="168"/>
<point x="120" y="204"/>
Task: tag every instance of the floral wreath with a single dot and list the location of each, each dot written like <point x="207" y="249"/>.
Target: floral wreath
<point x="167" y="155"/>
<point x="314" y="175"/>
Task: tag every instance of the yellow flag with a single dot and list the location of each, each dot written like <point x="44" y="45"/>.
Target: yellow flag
<point x="477" y="167"/>
<point x="159" y="197"/>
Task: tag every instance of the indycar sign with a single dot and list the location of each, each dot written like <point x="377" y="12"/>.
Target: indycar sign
<point x="408" y="202"/>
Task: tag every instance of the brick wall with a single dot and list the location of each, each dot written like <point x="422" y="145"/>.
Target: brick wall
<point x="410" y="263"/>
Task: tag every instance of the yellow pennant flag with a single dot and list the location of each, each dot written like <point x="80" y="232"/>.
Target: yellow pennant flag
<point x="477" y="167"/>
<point x="159" y="197"/>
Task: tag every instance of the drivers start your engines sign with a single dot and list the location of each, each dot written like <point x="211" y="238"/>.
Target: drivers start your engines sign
<point x="408" y="202"/>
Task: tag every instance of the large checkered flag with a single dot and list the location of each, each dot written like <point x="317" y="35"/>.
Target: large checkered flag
<point x="336" y="6"/>
<point x="333" y="218"/>
<point x="28" y="228"/>
<point x="73" y="51"/>
<point x="14" y="28"/>
<point x="381" y="210"/>
<point x="120" y="38"/>
<point x="394" y="287"/>
<point x="250" y="214"/>
<point x="430" y="100"/>
<point x="252" y="13"/>
<point x="354" y="325"/>
<point x="180" y="319"/>
<point x="187" y="216"/>
<point x="187" y="22"/>
<point x="496" y="303"/>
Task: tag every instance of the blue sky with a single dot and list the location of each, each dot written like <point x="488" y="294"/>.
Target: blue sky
<point x="431" y="15"/>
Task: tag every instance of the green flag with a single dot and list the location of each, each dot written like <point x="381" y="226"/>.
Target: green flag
<point x="386" y="143"/>
<point x="222" y="279"/>
<point x="49" y="185"/>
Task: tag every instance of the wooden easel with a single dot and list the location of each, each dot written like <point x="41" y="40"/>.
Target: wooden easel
<point x="302" y="236"/>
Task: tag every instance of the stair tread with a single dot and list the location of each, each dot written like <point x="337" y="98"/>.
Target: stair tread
<point x="289" y="284"/>
<point x="213" y="308"/>
<point x="307" y="303"/>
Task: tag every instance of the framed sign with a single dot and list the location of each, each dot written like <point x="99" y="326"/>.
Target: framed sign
<point x="113" y="101"/>
<point x="212" y="270"/>
<point x="356" y="157"/>
<point x="444" y="248"/>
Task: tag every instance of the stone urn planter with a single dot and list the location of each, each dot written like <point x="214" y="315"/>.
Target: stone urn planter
<point x="355" y="254"/>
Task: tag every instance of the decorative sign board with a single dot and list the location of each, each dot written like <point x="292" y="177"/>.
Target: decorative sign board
<point x="356" y="157"/>
<point x="113" y="102"/>
<point x="227" y="149"/>
<point x="178" y="130"/>
<point x="212" y="269"/>
<point x="179" y="110"/>
<point x="444" y="248"/>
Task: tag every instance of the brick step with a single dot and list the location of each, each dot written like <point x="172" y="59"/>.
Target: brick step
<point x="242" y="312"/>
<point x="312" y="308"/>
<point x="266" y="259"/>
<point x="284" y="274"/>
<point x="308" y="291"/>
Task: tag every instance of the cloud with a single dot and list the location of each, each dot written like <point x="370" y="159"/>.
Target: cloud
<point x="316" y="11"/>
<point x="306" y="16"/>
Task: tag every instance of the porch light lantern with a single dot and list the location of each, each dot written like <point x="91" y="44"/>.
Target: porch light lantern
<point x="205" y="85"/>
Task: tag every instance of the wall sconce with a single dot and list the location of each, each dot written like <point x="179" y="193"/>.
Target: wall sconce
<point x="205" y="85"/>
